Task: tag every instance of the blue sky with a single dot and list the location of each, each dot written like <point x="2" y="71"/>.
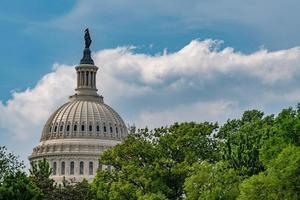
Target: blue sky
<point x="34" y="34"/>
<point x="161" y="61"/>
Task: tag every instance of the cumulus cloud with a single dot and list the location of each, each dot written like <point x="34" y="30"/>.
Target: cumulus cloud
<point x="199" y="111"/>
<point x="200" y="60"/>
<point x="27" y="110"/>
<point x="202" y="81"/>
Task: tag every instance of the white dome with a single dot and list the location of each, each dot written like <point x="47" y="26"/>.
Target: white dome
<point x="79" y="131"/>
<point x="84" y="119"/>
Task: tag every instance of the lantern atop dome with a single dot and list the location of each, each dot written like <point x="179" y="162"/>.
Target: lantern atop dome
<point x="86" y="73"/>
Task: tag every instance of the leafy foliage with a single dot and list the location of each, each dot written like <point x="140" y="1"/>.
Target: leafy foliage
<point x="79" y="191"/>
<point x="280" y="181"/>
<point x="18" y="186"/>
<point x="9" y="163"/>
<point x="155" y="163"/>
<point x="284" y="132"/>
<point x="200" y="161"/>
<point x="212" y="181"/>
<point x="39" y="174"/>
<point x="243" y="139"/>
<point x="14" y="184"/>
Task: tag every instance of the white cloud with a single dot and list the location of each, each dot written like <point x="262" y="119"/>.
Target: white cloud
<point x="200" y="60"/>
<point x="27" y="110"/>
<point x="199" y="111"/>
<point x="142" y="83"/>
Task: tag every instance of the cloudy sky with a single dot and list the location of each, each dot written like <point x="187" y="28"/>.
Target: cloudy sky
<point x="160" y="61"/>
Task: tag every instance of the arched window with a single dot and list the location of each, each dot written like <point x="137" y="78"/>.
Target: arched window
<point x="61" y="127"/>
<point x="82" y="127"/>
<point x="90" y="128"/>
<point x="55" y="128"/>
<point x="75" y="127"/>
<point x="72" y="166"/>
<point x="54" y="168"/>
<point x="50" y="129"/>
<point x="68" y="127"/>
<point x="63" y="167"/>
<point x="117" y="130"/>
<point x="98" y="128"/>
<point x="111" y="129"/>
<point x="81" y="167"/>
<point x="104" y="128"/>
<point x="91" y="168"/>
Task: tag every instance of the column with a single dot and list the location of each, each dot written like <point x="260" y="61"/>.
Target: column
<point x="94" y="79"/>
<point x="86" y="78"/>
<point x="78" y="76"/>
<point x="90" y="79"/>
<point x="82" y="78"/>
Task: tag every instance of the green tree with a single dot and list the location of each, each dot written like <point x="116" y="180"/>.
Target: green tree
<point x="102" y="184"/>
<point x="83" y="191"/>
<point x="39" y="174"/>
<point x="79" y="191"/>
<point x="280" y="181"/>
<point x="14" y="184"/>
<point x="9" y="163"/>
<point x="284" y="132"/>
<point x="254" y="157"/>
<point x="212" y="181"/>
<point x="131" y="175"/>
<point x="181" y="145"/>
<point x="18" y="186"/>
<point x="259" y="187"/>
<point x="154" y="164"/>
<point x="241" y="141"/>
<point x="151" y="196"/>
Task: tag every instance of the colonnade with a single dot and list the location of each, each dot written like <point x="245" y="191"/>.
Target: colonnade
<point x="86" y="79"/>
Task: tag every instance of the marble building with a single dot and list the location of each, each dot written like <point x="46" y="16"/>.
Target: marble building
<point x="80" y="130"/>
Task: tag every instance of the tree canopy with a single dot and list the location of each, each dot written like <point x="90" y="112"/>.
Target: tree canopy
<point x="204" y="161"/>
<point x="254" y="157"/>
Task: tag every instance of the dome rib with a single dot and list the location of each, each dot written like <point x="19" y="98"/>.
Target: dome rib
<point x="68" y="123"/>
<point x="46" y="132"/>
<point x="115" y="119"/>
<point x="66" y="114"/>
<point x="61" y="121"/>
<point x="73" y="122"/>
<point x="94" y="121"/>
<point x="80" y="121"/>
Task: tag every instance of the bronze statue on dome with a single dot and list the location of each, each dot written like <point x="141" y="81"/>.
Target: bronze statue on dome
<point x="87" y="59"/>
<point x="87" y="38"/>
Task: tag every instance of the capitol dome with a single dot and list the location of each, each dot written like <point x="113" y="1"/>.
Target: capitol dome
<point x="79" y="131"/>
<point x="84" y="119"/>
